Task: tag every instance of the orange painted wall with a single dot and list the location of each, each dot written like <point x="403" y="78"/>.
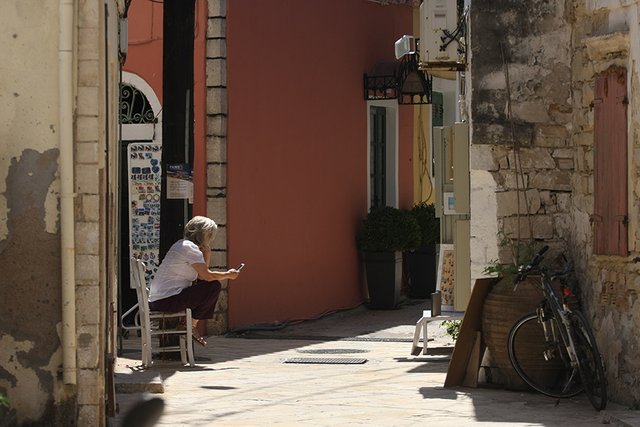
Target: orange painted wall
<point x="145" y="59"/>
<point x="297" y="150"/>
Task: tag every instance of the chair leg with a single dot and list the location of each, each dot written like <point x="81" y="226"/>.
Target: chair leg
<point x="192" y="362"/>
<point x="190" y="340"/>
<point x="183" y="349"/>
<point x="415" y="348"/>
<point x="146" y="349"/>
<point x="425" y="336"/>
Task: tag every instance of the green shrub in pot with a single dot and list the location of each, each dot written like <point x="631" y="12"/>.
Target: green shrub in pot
<point x="389" y="229"/>
<point x="385" y="234"/>
<point x="422" y="262"/>
<point x="425" y="214"/>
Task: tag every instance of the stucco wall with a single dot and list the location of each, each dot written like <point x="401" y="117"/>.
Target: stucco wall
<point x="296" y="150"/>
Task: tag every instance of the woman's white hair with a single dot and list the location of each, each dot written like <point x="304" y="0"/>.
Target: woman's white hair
<point x="199" y="229"/>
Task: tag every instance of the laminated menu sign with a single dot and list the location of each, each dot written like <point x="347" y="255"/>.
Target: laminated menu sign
<point x="180" y="181"/>
<point x="145" y="185"/>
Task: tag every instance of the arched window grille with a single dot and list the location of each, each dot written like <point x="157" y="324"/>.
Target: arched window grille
<point x="135" y="108"/>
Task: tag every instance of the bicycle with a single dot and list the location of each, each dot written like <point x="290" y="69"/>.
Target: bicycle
<point x="571" y="360"/>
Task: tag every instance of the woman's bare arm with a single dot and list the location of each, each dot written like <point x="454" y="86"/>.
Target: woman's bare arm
<point x="205" y="274"/>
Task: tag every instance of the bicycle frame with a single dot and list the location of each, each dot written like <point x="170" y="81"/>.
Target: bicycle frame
<point x="561" y="313"/>
<point x="573" y="343"/>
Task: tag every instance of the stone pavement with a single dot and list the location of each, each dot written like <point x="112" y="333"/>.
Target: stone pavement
<point x="243" y="380"/>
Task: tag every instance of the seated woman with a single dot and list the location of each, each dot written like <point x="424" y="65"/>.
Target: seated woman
<point x="184" y="280"/>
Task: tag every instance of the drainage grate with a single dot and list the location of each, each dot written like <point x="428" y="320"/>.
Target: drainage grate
<point x="260" y="336"/>
<point x="332" y="351"/>
<point x="327" y="360"/>
<point x="378" y="339"/>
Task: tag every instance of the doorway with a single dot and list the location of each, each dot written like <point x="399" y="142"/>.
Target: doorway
<point x="139" y="187"/>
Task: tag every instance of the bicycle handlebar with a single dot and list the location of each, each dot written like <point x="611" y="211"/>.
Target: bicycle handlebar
<point x="525" y="269"/>
<point x="536" y="259"/>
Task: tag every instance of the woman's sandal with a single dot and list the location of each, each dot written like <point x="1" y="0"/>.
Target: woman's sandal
<point x="197" y="338"/>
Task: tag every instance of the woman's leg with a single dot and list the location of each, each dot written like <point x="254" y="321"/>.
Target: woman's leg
<point x="200" y="297"/>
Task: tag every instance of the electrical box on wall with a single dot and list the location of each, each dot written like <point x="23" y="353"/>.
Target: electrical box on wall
<point x="451" y="158"/>
<point x="439" y="34"/>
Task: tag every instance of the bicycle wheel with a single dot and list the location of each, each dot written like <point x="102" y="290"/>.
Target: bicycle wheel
<point x="589" y="362"/>
<point x="546" y="367"/>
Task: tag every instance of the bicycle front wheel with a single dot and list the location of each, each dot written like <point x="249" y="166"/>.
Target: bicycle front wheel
<point x="589" y="362"/>
<point x="544" y="365"/>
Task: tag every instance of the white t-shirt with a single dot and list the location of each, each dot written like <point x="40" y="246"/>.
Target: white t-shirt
<point x="176" y="272"/>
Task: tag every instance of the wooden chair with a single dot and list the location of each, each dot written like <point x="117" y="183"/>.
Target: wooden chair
<point x="152" y="323"/>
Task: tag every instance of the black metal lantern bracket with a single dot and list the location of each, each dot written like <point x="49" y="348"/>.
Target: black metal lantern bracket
<point x="406" y="82"/>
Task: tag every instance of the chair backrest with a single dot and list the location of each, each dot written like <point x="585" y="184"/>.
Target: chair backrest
<point x="139" y="282"/>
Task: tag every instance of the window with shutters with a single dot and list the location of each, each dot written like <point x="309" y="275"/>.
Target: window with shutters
<point x="377" y="156"/>
<point x="382" y="150"/>
<point x="610" y="216"/>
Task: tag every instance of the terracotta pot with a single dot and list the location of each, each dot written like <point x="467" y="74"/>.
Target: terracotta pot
<point x="503" y="307"/>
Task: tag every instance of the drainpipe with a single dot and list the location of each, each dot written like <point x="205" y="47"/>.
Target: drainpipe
<point x="67" y="236"/>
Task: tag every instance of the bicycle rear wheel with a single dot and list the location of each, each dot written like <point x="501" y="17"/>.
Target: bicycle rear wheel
<point x="552" y="374"/>
<point x="589" y="362"/>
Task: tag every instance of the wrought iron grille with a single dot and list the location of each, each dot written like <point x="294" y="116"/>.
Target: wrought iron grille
<point x="135" y="108"/>
<point x="408" y="83"/>
<point x="380" y="87"/>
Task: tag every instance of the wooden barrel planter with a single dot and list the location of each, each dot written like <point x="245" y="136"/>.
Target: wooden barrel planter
<point x="503" y="307"/>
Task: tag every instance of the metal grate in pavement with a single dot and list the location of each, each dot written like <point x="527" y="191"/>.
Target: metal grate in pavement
<point x="327" y="360"/>
<point x="332" y="350"/>
<point x="378" y="339"/>
<point x="319" y="338"/>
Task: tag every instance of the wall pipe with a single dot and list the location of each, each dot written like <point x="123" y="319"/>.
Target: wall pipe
<point x="67" y="195"/>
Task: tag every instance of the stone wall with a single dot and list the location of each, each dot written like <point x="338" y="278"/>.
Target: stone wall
<point x="520" y="133"/>
<point x="216" y="146"/>
<point x="606" y="35"/>
<point x="532" y="85"/>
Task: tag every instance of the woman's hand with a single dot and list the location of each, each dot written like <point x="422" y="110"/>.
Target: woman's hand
<point x="233" y="274"/>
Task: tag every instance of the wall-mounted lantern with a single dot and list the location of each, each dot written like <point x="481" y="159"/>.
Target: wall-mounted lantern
<point x="403" y="80"/>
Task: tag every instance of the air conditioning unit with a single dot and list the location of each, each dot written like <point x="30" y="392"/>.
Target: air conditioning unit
<point x="438" y="22"/>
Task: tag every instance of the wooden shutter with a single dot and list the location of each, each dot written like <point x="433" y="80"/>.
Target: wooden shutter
<point x="610" y="180"/>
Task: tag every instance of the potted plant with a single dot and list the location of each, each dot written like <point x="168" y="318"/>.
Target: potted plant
<point x="385" y="234"/>
<point x="422" y="261"/>
<point x="504" y="305"/>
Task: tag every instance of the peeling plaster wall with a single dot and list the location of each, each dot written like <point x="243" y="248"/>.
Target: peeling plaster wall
<point x="552" y="51"/>
<point x="30" y="259"/>
<point x="30" y="312"/>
